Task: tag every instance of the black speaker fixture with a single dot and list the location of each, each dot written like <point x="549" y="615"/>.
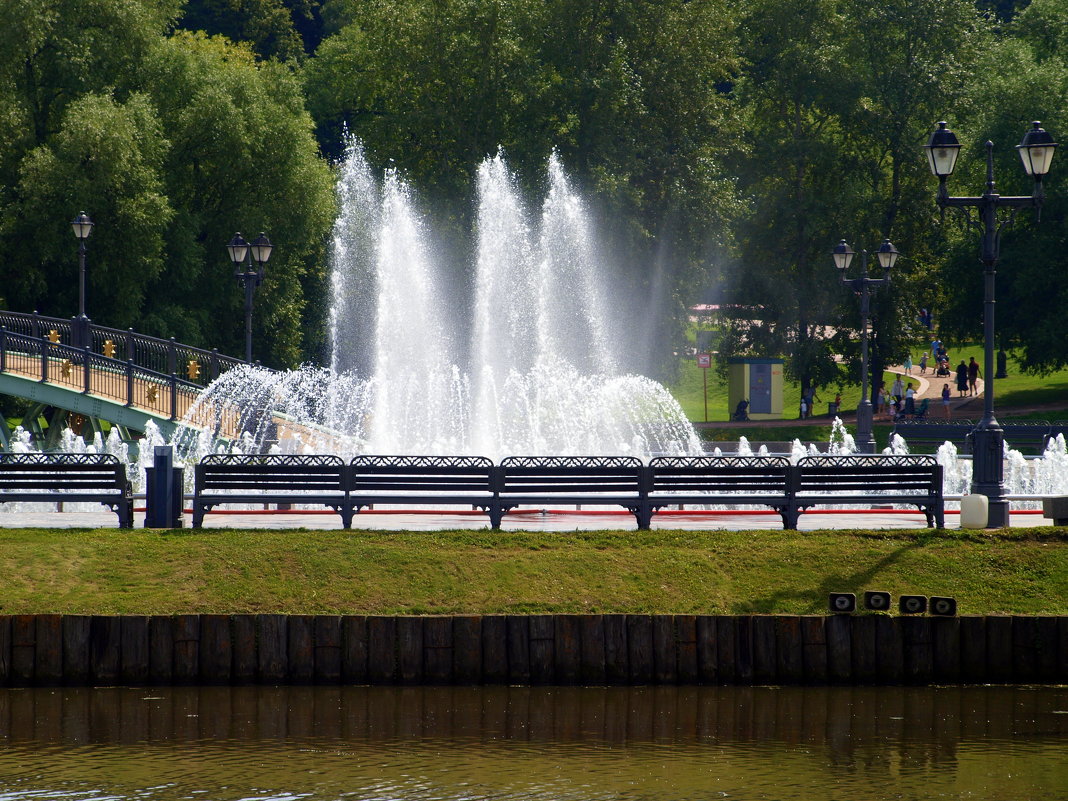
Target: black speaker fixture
<point x="947" y="607"/>
<point x="842" y="602"/>
<point x="912" y="604"/>
<point x="877" y="601"/>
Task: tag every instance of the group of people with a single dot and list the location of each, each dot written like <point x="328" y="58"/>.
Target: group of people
<point x="899" y="399"/>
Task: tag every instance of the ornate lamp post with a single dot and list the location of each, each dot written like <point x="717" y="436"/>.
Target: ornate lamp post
<point x="82" y="226"/>
<point x="243" y="254"/>
<point x="864" y="286"/>
<point x="1036" y="152"/>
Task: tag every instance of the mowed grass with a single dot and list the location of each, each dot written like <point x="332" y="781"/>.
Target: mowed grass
<point x="1019" y="571"/>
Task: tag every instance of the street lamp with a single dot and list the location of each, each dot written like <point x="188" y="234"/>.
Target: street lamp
<point x="1036" y="152"/>
<point x="864" y="286"/>
<point x="242" y="254"/>
<point x="82" y="226"/>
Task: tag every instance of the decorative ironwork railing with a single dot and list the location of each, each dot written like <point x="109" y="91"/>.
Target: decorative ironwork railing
<point x="159" y="375"/>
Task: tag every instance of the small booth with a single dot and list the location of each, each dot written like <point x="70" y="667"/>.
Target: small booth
<point x="758" y="381"/>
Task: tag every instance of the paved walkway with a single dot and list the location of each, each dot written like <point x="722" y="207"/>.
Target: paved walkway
<point x="524" y="521"/>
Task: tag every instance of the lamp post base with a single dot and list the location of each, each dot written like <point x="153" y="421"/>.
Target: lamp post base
<point x="865" y="438"/>
<point x="988" y="471"/>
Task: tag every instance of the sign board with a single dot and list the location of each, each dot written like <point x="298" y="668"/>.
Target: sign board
<point x="704" y="359"/>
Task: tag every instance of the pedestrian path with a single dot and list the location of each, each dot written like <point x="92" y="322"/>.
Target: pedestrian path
<point x="928" y="385"/>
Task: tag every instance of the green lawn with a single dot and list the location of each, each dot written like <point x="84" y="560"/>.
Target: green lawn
<point x="1019" y="571"/>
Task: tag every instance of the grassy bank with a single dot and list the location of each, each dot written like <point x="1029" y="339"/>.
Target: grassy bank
<point x="228" y="571"/>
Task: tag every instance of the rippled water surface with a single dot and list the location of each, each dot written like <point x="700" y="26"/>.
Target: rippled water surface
<point x="534" y="743"/>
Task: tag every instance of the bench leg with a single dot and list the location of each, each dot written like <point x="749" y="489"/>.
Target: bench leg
<point x="346" y="513"/>
<point x="126" y="513"/>
<point x="198" y="514"/>
<point x="496" y="514"/>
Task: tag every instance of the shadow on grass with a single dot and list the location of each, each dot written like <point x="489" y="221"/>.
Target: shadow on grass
<point x="835" y="582"/>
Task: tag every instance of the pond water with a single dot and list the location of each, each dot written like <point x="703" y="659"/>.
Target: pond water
<point x="557" y="744"/>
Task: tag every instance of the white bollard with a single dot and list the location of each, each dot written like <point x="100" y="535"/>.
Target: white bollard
<point x="974" y="511"/>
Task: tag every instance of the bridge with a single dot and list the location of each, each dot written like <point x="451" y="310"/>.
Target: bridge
<point x="97" y="373"/>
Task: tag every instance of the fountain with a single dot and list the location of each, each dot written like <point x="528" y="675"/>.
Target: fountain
<point x="526" y="364"/>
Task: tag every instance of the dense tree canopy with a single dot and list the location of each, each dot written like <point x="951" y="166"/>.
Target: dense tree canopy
<point x="725" y="148"/>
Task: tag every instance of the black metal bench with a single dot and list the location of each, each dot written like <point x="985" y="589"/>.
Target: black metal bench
<point x="907" y="479"/>
<point x="748" y="480"/>
<point x="467" y="480"/>
<point x="595" y="480"/>
<point x="929" y="433"/>
<point x="281" y="479"/>
<point x="67" y="477"/>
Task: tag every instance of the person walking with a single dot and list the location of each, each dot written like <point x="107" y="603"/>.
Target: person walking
<point x="962" y="378"/>
<point x="923" y="364"/>
<point x="910" y="400"/>
<point x="897" y="391"/>
<point x="945" y="399"/>
<point x="908" y="364"/>
<point x="973" y="374"/>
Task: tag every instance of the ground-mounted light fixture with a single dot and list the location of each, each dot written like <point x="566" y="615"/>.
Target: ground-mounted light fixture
<point x="943" y="606"/>
<point x="912" y="604"/>
<point x="877" y="601"/>
<point x="842" y="602"/>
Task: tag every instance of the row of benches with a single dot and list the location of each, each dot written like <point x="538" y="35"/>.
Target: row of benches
<point x="1030" y="435"/>
<point x="539" y="481"/>
<point x="348" y="487"/>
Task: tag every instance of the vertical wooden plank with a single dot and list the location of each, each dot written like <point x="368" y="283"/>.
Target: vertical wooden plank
<point x="707" y="650"/>
<point x="272" y="649"/>
<point x="789" y="650"/>
<point x="5" y="649"/>
<point x="76" y="649"/>
<point x="863" y="648"/>
<point x="567" y="649"/>
<point x="134" y="658"/>
<point x="592" y="669"/>
<point x="105" y="641"/>
<point x="665" y="661"/>
<point x="216" y="651"/>
<point x="616" y="650"/>
<point x="245" y="662"/>
<point x="495" y="644"/>
<point x="1024" y="649"/>
<point x="327" y="637"/>
<point x="437" y="650"/>
<point x="48" y="657"/>
<point x="1048" y="644"/>
<point x="410" y="649"/>
<point x="518" y="649"/>
<point x="945" y="643"/>
<point x="973" y="649"/>
<point x="161" y="649"/>
<point x="743" y="649"/>
<point x="765" y="670"/>
<point x="999" y="647"/>
<point x="354" y="649"/>
<point x="300" y="649"/>
<point x="381" y="649"/>
<point x="640" y="649"/>
<point x="814" y="643"/>
<point x="686" y="649"/>
<point x="839" y="629"/>
<point x="467" y="652"/>
<point x="919" y="650"/>
<point x="889" y="650"/>
<point x="23" y="649"/>
<point x="186" y="649"/>
<point x="727" y="645"/>
<point x="542" y="649"/>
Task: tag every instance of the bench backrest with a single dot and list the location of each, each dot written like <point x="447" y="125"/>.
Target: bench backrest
<point x="860" y="475"/>
<point x="271" y="473"/>
<point x="62" y="472"/>
<point x="421" y="474"/>
<point x="719" y="474"/>
<point x="548" y="475"/>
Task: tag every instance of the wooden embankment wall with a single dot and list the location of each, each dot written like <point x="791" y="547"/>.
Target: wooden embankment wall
<point x="530" y="649"/>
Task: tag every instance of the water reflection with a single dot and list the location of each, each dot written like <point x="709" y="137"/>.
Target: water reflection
<point x="533" y="743"/>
